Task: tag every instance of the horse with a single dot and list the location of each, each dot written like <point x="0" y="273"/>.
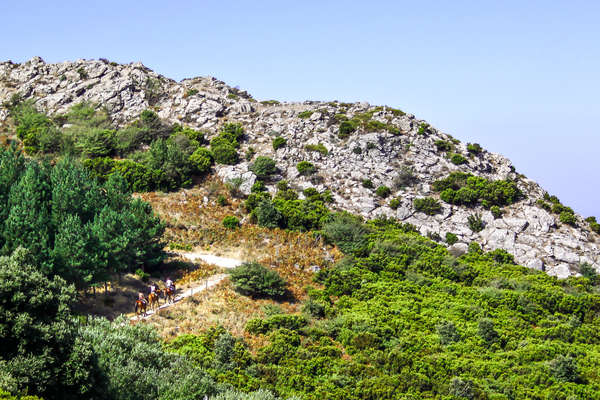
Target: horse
<point x="153" y="301"/>
<point x="169" y="294"/>
<point x="140" y="307"/>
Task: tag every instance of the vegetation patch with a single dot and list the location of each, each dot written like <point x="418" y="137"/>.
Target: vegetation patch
<point x="461" y="188"/>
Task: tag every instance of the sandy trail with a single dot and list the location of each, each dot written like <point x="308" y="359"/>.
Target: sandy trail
<point x="211" y="281"/>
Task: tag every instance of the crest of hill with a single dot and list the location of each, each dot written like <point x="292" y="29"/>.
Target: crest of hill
<point x="376" y="160"/>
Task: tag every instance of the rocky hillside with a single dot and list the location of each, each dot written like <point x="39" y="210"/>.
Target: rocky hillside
<point x="355" y="148"/>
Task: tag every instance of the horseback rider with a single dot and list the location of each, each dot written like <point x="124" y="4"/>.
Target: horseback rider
<point x="142" y="298"/>
<point x="152" y="287"/>
<point x="169" y="284"/>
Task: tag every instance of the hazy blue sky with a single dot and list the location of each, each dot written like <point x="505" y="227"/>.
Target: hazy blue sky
<point x="518" y="77"/>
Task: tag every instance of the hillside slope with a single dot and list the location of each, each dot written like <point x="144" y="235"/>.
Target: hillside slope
<point x="355" y="148"/>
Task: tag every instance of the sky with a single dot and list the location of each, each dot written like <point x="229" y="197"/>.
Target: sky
<point x="518" y="77"/>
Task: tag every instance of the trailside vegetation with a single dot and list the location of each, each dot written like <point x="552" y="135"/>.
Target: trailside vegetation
<point x="461" y="188"/>
<point x="400" y="317"/>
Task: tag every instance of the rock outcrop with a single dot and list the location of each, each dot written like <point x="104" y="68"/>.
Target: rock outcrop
<point x="382" y="155"/>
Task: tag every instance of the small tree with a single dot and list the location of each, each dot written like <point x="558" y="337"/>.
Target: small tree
<point x="263" y="167"/>
<point x="253" y="279"/>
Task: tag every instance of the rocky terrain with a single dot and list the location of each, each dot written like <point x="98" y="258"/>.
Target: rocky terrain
<point x="381" y="152"/>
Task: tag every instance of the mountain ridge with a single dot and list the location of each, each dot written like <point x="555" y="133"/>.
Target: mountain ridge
<point x="384" y="144"/>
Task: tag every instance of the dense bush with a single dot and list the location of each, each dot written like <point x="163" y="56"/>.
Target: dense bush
<point x="465" y="189"/>
<point x="427" y="205"/>
<point x="405" y="177"/>
<point x="263" y="167"/>
<point x="443" y="145"/>
<point x="474" y="148"/>
<point x="253" y="279"/>
<point x="279" y="142"/>
<point x="457" y="159"/>
<point x="225" y="154"/>
<point x="451" y="238"/>
<point x="319" y="148"/>
<point x="346" y="129"/>
<point x="383" y="191"/>
<point x="305" y="114"/>
<point x="306" y="168"/>
<point x="394" y="204"/>
<point x="496" y="211"/>
<point x="347" y="232"/>
<point x="231" y="222"/>
<point x="367" y="183"/>
<point x="202" y="159"/>
<point x="567" y="218"/>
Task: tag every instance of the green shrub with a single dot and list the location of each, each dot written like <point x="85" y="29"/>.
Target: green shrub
<point x="457" y="159"/>
<point x="474" y="148"/>
<point x="202" y="159"/>
<point x="462" y="389"/>
<point x="231" y="222"/>
<point x="394" y="204"/>
<point x="347" y="232"/>
<point x="447" y="332"/>
<point x="305" y="114"/>
<point x="279" y="142"/>
<point x="346" y="129"/>
<point x="427" y="205"/>
<point x="496" y="211"/>
<point x="367" y="183"/>
<point x="568" y="218"/>
<point x="142" y="274"/>
<point x="306" y="168"/>
<point x="587" y="271"/>
<point x="475" y="223"/>
<point x="270" y="102"/>
<point x="253" y="279"/>
<point x="319" y="148"/>
<point x="234" y="129"/>
<point x="190" y="92"/>
<point x="466" y="189"/>
<point x="263" y="167"/>
<point x="357" y="150"/>
<point x="233" y="186"/>
<point x="225" y="154"/>
<point x="267" y="215"/>
<point x="487" y="331"/>
<point x="565" y="369"/>
<point x="443" y="145"/>
<point x="258" y="186"/>
<point x="383" y="191"/>
<point x="423" y="129"/>
<point x="451" y="238"/>
<point x="278" y="321"/>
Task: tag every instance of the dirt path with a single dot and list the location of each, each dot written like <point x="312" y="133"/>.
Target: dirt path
<point x="211" y="281"/>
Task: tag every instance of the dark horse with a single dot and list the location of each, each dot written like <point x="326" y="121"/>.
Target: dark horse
<point x="140" y="308"/>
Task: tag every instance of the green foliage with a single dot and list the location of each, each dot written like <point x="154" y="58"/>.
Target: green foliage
<point x="394" y="204"/>
<point x="346" y="129"/>
<point x="263" y="167"/>
<point x="447" y="332"/>
<point x="225" y="154"/>
<point x="451" y="238"/>
<point x="270" y="102"/>
<point x="568" y="218"/>
<point x="267" y="214"/>
<point x="279" y="142"/>
<point x="465" y="189"/>
<point x="305" y="114"/>
<point x="306" y="168"/>
<point x="41" y="353"/>
<point x="427" y="205"/>
<point x="319" y="148"/>
<point x="367" y="183"/>
<point x="190" y="92"/>
<point x="348" y="233"/>
<point x="406" y="319"/>
<point x="443" y="145"/>
<point x="262" y="326"/>
<point x="201" y="160"/>
<point x="34" y="128"/>
<point x="383" y="191"/>
<point x="496" y="211"/>
<point x="258" y="186"/>
<point x="423" y="129"/>
<point x="250" y="152"/>
<point x="474" y="148"/>
<point x="357" y="150"/>
<point x="475" y="223"/>
<point x="457" y="159"/>
<point x="253" y="279"/>
<point x="231" y="222"/>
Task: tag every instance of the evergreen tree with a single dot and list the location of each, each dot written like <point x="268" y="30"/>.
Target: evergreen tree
<point x="28" y="223"/>
<point x="12" y="164"/>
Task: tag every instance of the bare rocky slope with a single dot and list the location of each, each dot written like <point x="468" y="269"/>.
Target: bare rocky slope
<point x="379" y="152"/>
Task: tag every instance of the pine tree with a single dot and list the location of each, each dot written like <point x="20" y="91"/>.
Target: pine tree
<point x="12" y="164"/>
<point x="28" y="223"/>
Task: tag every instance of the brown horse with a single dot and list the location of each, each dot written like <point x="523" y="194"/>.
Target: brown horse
<point x="140" y="308"/>
<point x="153" y="300"/>
<point x="169" y="294"/>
